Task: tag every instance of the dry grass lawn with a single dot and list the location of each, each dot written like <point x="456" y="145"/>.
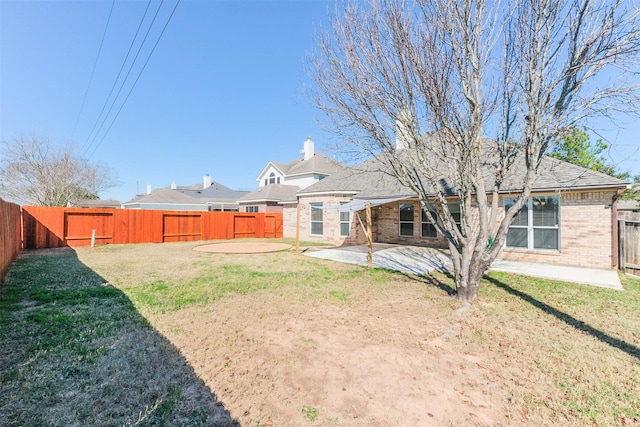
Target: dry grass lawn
<point x="162" y="334"/>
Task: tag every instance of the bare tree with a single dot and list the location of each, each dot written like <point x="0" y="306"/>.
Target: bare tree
<point x="457" y="98"/>
<point x="33" y="171"/>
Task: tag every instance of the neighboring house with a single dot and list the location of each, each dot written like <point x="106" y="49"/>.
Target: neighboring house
<point x="268" y="198"/>
<point x="629" y="206"/>
<point x="208" y="196"/>
<point x="569" y="219"/>
<point x="94" y="203"/>
<point x="302" y="172"/>
<point x="278" y="183"/>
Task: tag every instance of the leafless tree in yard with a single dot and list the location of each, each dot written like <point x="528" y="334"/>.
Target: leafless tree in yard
<point x="33" y="171"/>
<point x="475" y="91"/>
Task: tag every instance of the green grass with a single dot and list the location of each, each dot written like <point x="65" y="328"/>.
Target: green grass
<point x="74" y="351"/>
<point x="76" y="348"/>
<point x="226" y="277"/>
<point x="592" y="334"/>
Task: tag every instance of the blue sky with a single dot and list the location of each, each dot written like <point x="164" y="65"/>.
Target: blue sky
<point x="223" y="92"/>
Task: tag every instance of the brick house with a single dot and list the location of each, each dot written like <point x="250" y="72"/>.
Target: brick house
<point x="570" y="218"/>
<point x="278" y="182"/>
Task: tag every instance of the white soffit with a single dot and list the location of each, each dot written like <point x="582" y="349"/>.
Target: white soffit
<point x="360" y="204"/>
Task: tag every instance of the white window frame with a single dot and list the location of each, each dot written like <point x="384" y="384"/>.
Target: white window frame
<point x="344" y="222"/>
<point x="251" y="209"/>
<point x="316" y="207"/>
<point x="404" y="221"/>
<point x="531" y="228"/>
<point x="424" y="220"/>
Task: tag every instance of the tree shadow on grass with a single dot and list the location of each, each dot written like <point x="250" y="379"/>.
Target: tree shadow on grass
<point x="569" y="320"/>
<point x="74" y="351"/>
<point x="432" y="279"/>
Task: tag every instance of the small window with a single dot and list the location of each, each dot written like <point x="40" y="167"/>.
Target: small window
<point x="406" y="219"/>
<point x="454" y="210"/>
<point x="316" y="219"/>
<point x="345" y="222"/>
<point x="272" y="178"/>
<point x="428" y="229"/>
<point x="251" y="209"/>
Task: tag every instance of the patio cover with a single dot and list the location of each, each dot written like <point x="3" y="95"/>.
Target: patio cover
<point x="360" y="204"/>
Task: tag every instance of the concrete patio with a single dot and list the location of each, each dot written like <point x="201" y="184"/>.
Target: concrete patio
<point x="421" y="260"/>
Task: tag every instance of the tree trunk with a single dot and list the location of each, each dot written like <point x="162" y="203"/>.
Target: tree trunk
<point x="467" y="286"/>
<point x="469" y="274"/>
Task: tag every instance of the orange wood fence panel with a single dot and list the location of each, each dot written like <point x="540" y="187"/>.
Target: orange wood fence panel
<point x="10" y="235"/>
<point x="248" y="225"/>
<point x="80" y="225"/>
<point x="272" y="225"/>
<point x="49" y="227"/>
<point x="181" y="227"/>
<point x="43" y="227"/>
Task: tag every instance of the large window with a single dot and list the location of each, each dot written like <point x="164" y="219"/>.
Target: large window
<point x="345" y="222"/>
<point x="316" y="219"/>
<point x="537" y="224"/>
<point x="428" y="229"/>
<point x="406" y="219"/>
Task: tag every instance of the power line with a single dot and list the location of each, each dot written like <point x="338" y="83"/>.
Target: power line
<point x="113" y="86"/>
<point x="137" y="78"/>
<point x="90" y="141"/>
<point x="84" y="99"/>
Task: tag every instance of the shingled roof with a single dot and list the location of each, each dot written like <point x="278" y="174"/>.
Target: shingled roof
<point x="192" y="195"/>
<point x="271" y="193"/>
<point x="371" y="179"/>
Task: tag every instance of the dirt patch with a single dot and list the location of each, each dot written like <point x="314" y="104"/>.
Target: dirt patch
<point x="372" y="362"/>
<point x="288" y="340"/>
<point x="243" y="247"/>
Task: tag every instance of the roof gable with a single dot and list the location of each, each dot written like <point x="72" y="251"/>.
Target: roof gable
<point x="318" y="164"/>
<point x="281" y="167"/>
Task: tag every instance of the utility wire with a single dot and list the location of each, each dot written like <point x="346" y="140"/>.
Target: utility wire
<point x="137" y="78"/>
<point x="119" y="73"/>
<point x="84" y="99"/>
<point x="124" y="81"/>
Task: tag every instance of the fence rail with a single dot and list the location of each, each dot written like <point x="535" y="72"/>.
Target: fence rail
<point x="10" y="235"/>
<point x="51" y="227"/>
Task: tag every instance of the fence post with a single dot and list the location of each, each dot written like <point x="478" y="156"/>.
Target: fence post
<point x="621" y="250"/>
<point x="93" y="238"/>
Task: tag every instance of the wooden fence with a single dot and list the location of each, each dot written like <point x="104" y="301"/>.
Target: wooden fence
<point x="629" y="235"/>
<point x="10" y="235"/>
<point x="50" y="227"/>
